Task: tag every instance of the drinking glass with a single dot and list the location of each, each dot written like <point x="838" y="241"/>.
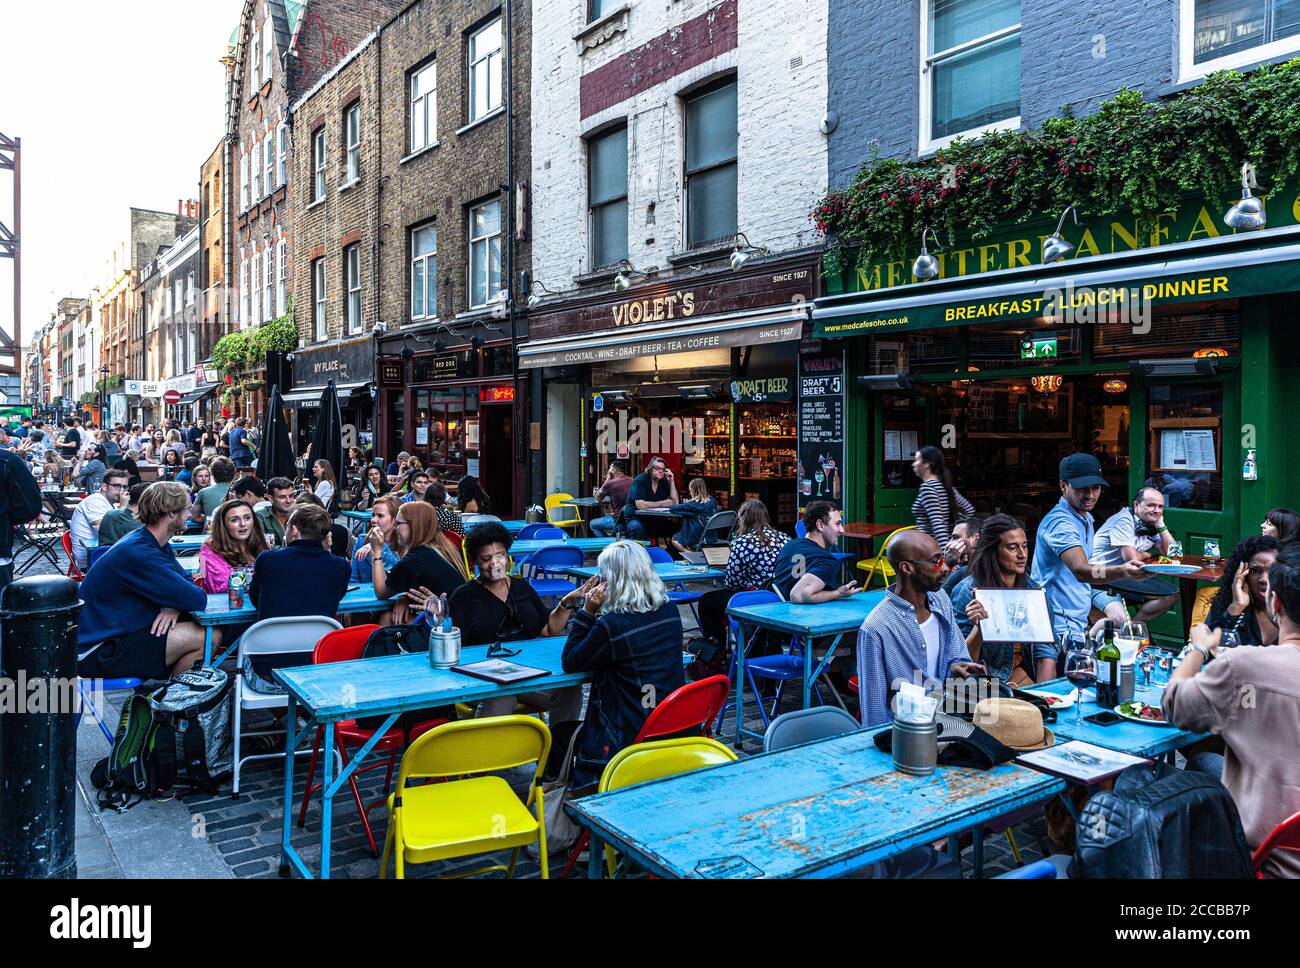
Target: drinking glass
<point x="819" y="477"/>
<point x="1081" y="670"/>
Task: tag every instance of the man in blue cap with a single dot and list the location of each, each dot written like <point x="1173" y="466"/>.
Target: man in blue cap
<point x="1064" y="545"/>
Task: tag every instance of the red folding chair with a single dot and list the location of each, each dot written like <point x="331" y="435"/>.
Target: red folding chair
<point x="346" y="645"/>
<point x="73" y="571"/>
<point x="1285" y="836"/>
<point x="694" y="705"/>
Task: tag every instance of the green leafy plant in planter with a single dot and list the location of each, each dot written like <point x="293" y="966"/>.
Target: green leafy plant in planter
<point x="1130" y="155"/>
<point x="246" y="349"/>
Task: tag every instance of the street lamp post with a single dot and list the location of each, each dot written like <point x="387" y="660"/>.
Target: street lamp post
<point x="103" y="392"/>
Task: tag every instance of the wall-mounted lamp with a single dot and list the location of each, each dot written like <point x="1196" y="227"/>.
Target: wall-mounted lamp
<point x="740" y="254"/>
<point x="623" y="278"/>
<point x="1248" y="214"/>
<point x="1055" y="248"/>
<point x="926" y="266"/>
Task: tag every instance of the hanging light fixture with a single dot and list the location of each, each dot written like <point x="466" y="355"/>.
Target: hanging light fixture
<point x="1114" y="386"/>
<point x="1248" y="214"/>
<point x="1055" y="248"/>
<point x="1046" y="384"/>
<point x="740" y="254"/>
<point x="623" y="279"/>
<point x="926" y="266"/>
<point x="1209" y="353"/>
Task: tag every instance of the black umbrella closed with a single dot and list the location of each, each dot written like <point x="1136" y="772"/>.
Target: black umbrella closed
<point x="327" y="438"/>
<point x="276" y="458"/>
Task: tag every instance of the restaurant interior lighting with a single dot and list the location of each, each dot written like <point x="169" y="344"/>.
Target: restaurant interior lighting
<point x="1209" y="352"/>
<point x="700" y="392"/>
<point x="886" y="381"/>
<point x="1114" y="386"/>
<point x="740" y="254"/>
<point x="1176" y="367"/>
<point x="1248" y="214"/>
<point x="1055" y="248"/>
<point x="1047" y="384"/>
<point x="926" y="266"/>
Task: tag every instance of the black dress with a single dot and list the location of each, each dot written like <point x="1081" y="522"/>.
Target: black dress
<point x="484" y="619"/>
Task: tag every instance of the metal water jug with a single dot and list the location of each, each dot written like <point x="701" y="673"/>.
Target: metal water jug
<point x="915" y="747"/>
<point x="444" y="648"/>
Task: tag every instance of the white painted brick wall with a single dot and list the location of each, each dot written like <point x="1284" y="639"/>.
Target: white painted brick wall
<point x="782" y="152"/>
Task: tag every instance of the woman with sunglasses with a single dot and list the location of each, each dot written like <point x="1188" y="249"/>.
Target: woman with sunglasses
<point x="495" y="608"/>
<point x="1240" y="605"/>
<point x="429" y="561"/>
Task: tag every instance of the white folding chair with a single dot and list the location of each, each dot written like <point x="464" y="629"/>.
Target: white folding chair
<point x="271" y="636"/>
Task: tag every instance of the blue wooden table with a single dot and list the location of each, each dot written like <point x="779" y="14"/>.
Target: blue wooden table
<point x="185" y="543"/>
<point x="669" y="572"/>
<point x="388" y="687"/>
<point x="472" y="521"/>
<point x="803" y="623"/>
<point x="585" y="545"/>
<point x="818" y="810"/>
<point x="359" y="599"/>
<point x="1136" y="739"/>
<point x="358" y="521"/>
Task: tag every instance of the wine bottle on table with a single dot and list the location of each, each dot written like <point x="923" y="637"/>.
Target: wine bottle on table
<point x="1108" y="657"/>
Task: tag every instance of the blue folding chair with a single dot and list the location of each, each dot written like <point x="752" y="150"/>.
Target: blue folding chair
<point x="782" y="667"/>
<point x="1039" y="870"/>
<point x="548" y="565"/>
<point x="529" y="531"/>
<point x="89" y="687"/>
<point x="678" y="594"/>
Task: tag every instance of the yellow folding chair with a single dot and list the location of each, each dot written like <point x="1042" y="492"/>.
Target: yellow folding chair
<point x="880" y="563"/>
<point x="475" y="815"/>
<point x="555" y="512"/>
<point x="652" y="761"/>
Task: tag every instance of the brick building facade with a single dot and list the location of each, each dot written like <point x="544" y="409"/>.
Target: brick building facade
<point x="212" y="271"/>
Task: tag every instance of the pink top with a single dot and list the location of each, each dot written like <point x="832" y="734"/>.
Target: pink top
<point x="215" y="573"/>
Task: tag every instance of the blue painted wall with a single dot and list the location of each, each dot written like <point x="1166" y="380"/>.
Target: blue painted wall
<point x="874" y="52"/>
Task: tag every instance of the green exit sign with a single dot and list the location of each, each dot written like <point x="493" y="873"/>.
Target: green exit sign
<point x="1038" y="347"/>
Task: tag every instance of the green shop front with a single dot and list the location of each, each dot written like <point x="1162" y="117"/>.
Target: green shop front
<point x="1172" y="357"/>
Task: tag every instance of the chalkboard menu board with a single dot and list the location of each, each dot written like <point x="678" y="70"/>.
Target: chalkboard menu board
<point x="821" y="428"/>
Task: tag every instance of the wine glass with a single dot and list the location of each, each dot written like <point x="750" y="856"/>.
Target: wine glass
<point x="820" y="478"/>
<point x="1081" y="670"/>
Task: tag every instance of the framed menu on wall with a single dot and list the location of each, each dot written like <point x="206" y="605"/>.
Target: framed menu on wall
<point x="821" y="428"/>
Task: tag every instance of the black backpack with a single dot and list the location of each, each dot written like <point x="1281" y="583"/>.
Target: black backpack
<point x="1165" y="823"/>
<point x="179" y="730"/>
<point x="401" y="640"/>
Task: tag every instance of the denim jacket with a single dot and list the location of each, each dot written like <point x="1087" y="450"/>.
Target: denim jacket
<point x="998" y="657"/>
<point x="637" y="660"/>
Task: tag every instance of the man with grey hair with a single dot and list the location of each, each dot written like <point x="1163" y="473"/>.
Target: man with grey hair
<point x="1138" y="533"/>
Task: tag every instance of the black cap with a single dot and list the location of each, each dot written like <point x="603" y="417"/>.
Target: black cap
<point x="1082" y="470"/>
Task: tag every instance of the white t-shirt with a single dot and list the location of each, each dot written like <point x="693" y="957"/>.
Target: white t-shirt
<point x="324" y="491"/>
<point x="93" y="508"/>
<point x="1120" y="531"/>
<point x="930" y="632"/>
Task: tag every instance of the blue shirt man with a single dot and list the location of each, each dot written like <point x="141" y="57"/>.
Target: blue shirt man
<point x="240" y="452"/>
<point x="1064" y="545"/>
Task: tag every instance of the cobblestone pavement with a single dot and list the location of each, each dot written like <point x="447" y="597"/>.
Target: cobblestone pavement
<point x="244" y="834"/>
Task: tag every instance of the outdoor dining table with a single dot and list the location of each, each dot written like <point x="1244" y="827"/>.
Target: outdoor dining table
<point x="805" y="623"/>
<point x="1187" y="585"/>
<point x="187" y="543"/>
<point x="531" y="546"/>
<point x="818" y="810"/>
<point x="389" y="687"/>
<point x="359" y="598"/>
<point x="358" y="521"/>
<point x="670" y="572"/>
<point x="868" y="530"/>
<point x="473" y="520"/>
<point x="1137" y="739"/>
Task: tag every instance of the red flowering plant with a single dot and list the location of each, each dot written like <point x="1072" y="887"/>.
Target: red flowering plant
<point x="1130" y="155"/>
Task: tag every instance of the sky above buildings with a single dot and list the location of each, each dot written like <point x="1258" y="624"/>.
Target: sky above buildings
<point x="117" y="105"/>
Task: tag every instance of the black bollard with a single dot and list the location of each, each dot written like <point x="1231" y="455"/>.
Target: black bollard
<point x="38" y="729"/>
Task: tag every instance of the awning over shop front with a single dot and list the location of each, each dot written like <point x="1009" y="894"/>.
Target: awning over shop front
<point x="308" y="397"/>
<point x="1249" y="264"/>
<point x="197" y="394"/>
<point x="777" y="324"/>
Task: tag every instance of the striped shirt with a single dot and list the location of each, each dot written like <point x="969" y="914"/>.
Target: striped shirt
<point x="891" y="650"/>
<point x="931" y="510"/>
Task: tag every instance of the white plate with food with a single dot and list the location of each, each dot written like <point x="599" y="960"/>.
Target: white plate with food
<point x="1055" y="700"/>
<point x="1141" y="712"/>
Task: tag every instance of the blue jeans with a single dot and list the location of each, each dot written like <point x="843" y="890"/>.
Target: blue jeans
<point x="1209" y="764"/>
<point x="603" y="527"/>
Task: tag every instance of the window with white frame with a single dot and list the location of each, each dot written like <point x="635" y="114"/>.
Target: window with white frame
<point x="268" y="153"/>
<point x="319" y="303"/>
<point x="352" y="272"/>
<point x="255" y="290"/>
<point x="268" y="283"/>
<point x="598" y="8"/>
<point x="607" y="197"/>
<point x="485" y="70"/>
<point x="282" y="139"/>
<point x="255" y="61"/>
<point x="243" y="177"/>
<point x="424" y="107"/>
<point x="189" y="289"/>
<point x="970" y="68"/>
<point x="484" y="253"/>
<point x="245" y="296"/>
<point x="424" y="272"/>
<point x="1220" y="35"/>
<point x="268" y="48"/>
<point x="352" y="141"/>
<point x="281" y="277"/>
<point x="711" y="145"/>
<point x="318" y="164"/>
<point x="255" y="162"/>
